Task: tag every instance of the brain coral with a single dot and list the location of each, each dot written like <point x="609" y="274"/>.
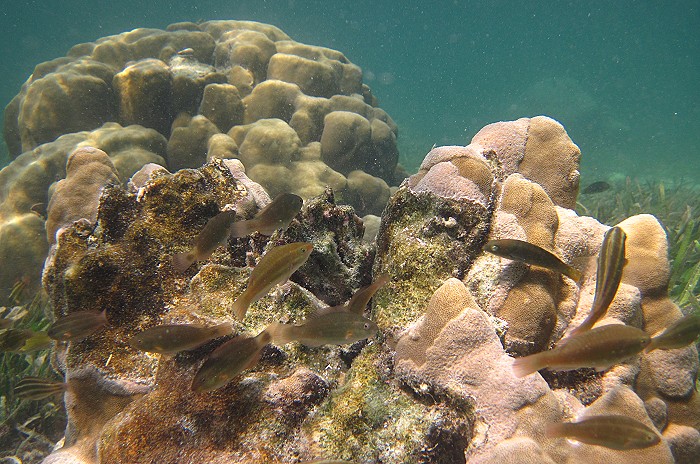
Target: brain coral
<point x="297" y="115"/>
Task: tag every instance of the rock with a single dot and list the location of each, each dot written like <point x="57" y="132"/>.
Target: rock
<point x="131" y="246"/>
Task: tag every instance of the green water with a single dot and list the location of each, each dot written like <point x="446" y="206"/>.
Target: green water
<point x="623" y="77"/>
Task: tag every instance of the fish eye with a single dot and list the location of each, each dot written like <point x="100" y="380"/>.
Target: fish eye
<point x="366" y="325"/>
<point x="494" y="247"/>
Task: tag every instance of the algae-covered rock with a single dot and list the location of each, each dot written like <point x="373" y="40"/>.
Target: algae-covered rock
<point x="120" y="262"/>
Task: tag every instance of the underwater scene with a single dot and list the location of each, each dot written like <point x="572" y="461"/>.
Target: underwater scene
<point x="350" y="232"/>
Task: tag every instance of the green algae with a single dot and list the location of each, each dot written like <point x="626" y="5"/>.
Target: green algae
<point x="428" y="240"/>
<point x="370" y="419"/>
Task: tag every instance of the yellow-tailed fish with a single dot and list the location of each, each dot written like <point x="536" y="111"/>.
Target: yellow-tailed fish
<point x="275" y="267"/>
<point x="78" y="325"/>
<point x="229" y="360"/>
<point x="37" y="388"/>
<point x="14" y="339"/>
<point x="611" y="261"/>
<point x="612" y="431"/>
<point x="171" y="338"/>
<point x="37" y="342"/>
<point x="600" y="348"/>
<point x="327" y="328"/>
<point x="681" y="333"/>
<point x="215" y="233"/>
<point x="531" y="254"/>
<point x="277" y="215"/>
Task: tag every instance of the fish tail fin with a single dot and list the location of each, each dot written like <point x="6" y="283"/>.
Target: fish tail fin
<point x="240" y="306"/>
<point x="279" y="333"/>
<point x="242" y="228"/>
<point x="181" y="261"/>
<point x="555" y="430"/>
<point x="653" y="345"/>
<point x="224" y="329"/>
<point x="527" y="365"/>
<point x="263" y="338"/>
<point x="574" y="274"/>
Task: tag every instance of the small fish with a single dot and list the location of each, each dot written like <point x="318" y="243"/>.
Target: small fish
<point x="171" y="338"/>
<point x="6" y="323"/>
<point x="611" y="261"/>
<point x="277" y="215"/>
<point x="186" y="52"/>
<point x="78" y="325"/>
<point x="14" y="339"/>
<point x="229" y="360"/>
<point x="37" y="388"/>
<point x="681" y="333"/>
<point x="215" y="233"/>
<point x="596" y="187"/>
<point x="531" y="254"/>
<point x="600" y="348"/>
<point x="327" y="328"/>
<point x="612" y="431"/>
<point x="275" y="267"/>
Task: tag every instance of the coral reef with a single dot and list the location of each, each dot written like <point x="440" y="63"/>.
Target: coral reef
<point x="298" y="116"/>
<point x="30" y="180"/>
<point x="537" y="306"/>
<point x="436" y="385"/>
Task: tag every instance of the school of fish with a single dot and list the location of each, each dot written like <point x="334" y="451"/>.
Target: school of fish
<point x="585" y="347"/>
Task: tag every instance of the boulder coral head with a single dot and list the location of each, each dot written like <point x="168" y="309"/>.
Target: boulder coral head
<point x="298" y="116"/>
<point x="469" y="312"/>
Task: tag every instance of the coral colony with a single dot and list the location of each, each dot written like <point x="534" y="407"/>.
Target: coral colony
<point x="221" y="312"/>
